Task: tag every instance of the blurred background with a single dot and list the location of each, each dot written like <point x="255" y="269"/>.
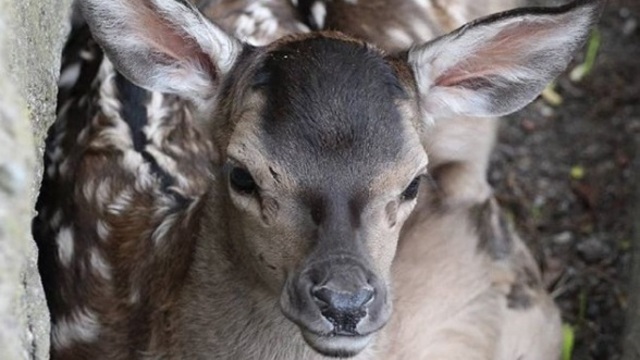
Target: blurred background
<point x="566" y="168"/>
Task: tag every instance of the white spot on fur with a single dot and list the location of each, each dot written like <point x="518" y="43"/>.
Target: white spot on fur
<point x="87" y="55"/>
<point x="157" y="111"/>
<point x="422" y="3"/>
<point x="84" y="99"/>
<point x="109" y="104"/>
<point x="144" y="179"/>
<point x="63" y="169"/>
<point x="424" y="31"/>
<point x="112" y="130"/>
<point x="458" y="13"/>
<point x="319" y="12"/>
<point x="103" y="230"/>
<point x="132" y="160"/>
<point x="160" y="233"/>
<point x="65" y="245"/>
<point x="400" y="37"/>
<point x="121" y="203"/>
<point x="56" y="155"/>
<point x="69" y="76"/>
<point x="165" y="162"/>
<point x="62" y="114"/>
<point x="352" y="2"/>
<point x="84" y="134"/>
<point x="89" y="189"/>
<point x="134" y="296"/>
<point x="56" y="219"/>
<point x="80" y="327"/>
<point x="99" y="264"/>
<point x="244" y="27"/>
<point x="258" y="25"/>
<point x="302" y="27"/>
<point x="103" y="192"/>
<point x="51" y="171"/>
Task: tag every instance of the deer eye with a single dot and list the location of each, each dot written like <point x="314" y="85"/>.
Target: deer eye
<point x="241" y="181"/>
<point x="411" y="191"/>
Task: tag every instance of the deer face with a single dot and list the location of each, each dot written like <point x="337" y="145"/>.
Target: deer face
<point x="322" y="171"/>
<point x="318" y="137"/>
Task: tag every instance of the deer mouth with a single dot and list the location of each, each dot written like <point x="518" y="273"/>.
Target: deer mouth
<point x="338" y="346"/>
<point x="338" y="306"/>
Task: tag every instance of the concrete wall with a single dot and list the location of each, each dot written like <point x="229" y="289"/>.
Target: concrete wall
<point x="31" y="36"/>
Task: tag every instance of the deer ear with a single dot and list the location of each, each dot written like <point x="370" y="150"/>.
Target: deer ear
<point x="162" y="45"/>
<point x="497" y="65"/>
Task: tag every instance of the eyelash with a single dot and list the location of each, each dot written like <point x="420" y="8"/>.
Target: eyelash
<point x="411" y="192"/>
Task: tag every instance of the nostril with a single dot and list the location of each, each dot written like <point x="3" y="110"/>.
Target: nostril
<point x="341" y="300"/>
<point x="344" y="309"/>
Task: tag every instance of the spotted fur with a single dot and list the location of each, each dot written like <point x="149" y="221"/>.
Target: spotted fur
<point x="256" y="22"/>
<point x="126" y="173"/>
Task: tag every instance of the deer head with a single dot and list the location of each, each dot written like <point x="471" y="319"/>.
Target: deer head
<point x="317" y="136"/>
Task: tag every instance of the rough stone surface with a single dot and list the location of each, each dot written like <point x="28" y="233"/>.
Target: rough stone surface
<point x="31" y="37"/>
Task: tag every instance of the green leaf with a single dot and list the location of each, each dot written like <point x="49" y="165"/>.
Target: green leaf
<point x="577" y="172"/>
<point x="551" y="96"/>
<point x="579" y="72"/>
<point x="568" y="338"/>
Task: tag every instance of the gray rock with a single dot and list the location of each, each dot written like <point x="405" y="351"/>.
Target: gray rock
<point x="592" y="249"/>
<point x="31" y="36"/>
<point x="563" y="238"/>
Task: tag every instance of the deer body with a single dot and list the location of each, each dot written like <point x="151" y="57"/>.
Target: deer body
<point x="496" y="306"/>
<point x="252" y="207"/>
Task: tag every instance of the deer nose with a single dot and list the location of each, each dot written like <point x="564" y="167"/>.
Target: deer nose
<point x="343" y="307"/>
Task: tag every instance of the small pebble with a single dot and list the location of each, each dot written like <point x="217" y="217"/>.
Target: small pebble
<point x="592" y="250"/>
<point x="563" y="238"/>
<point x="546" y="111"/>
<point x="624" y="12"/>
<point x="629" y="26"/>
<point x="528" y="125"/>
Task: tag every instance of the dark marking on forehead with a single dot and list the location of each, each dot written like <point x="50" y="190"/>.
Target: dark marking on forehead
<point x="330" y="99"/>
<point x="320" y="206"/>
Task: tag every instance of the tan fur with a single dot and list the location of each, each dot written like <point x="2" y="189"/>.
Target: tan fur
<point x="452" y="299"/>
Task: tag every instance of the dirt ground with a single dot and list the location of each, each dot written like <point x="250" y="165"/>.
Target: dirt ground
<point x="564" y="174"/>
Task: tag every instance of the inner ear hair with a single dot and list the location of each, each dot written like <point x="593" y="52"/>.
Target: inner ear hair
<point x="498" y="64"/>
